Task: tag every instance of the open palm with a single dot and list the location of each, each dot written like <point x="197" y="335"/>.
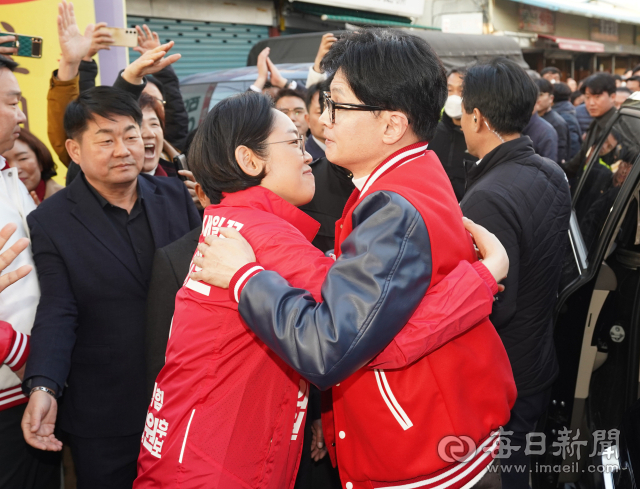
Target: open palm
<point x="73" y="44"/>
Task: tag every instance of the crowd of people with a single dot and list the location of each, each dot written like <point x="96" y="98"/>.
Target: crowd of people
<point x="347" y="324"/>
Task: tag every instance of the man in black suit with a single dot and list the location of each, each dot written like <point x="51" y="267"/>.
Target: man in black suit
<point x="93" y="245"/>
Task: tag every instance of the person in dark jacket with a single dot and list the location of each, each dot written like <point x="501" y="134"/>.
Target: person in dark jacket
<point x="93" y="244"/>
<point x="543" y="108"/>
<point x="600" y="92"/>
<point x="561" y="105"/>
<point x="543" y="136"/>
<point x="315" y="141"/>
<point x="524" y="199"/>
<point x="448" y="143"/>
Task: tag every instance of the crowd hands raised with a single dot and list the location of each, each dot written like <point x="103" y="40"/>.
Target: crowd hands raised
<point x="114" y="252"/>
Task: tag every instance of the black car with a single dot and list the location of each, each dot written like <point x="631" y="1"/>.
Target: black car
<point x="591" y="431"/>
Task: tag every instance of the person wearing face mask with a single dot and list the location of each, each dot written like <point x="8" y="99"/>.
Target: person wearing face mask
<point x="35" y="166"/>
<point x="448" y="143"/>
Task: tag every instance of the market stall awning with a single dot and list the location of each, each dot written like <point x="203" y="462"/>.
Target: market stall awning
<point x="570" y="44"/>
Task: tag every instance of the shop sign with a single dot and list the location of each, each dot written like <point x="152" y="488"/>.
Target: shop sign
<point x="536" y="19"/>
<point x="604" y="30"/>
<point x="405" y="8"/>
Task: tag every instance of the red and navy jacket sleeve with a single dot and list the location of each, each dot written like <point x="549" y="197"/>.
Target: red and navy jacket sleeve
<point x="369" y="294"/>
<point x="14" y="347"/>
<point x="457" y="303"/>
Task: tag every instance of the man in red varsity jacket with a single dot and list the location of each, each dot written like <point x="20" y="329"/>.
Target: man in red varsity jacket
<point x="400" y="234"/>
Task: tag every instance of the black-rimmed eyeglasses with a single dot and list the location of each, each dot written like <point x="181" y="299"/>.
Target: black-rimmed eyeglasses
<point x="300" y="141"/>
<point x="332" y="106"/>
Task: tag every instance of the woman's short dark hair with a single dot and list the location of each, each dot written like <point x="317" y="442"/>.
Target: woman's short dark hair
<point x="561" y="92"/>
<point x="147" y="101"/>
<point x="43" y="155"/>
<point x="99" y="101"/>
<point x="245" y="119"/>
<point x="503" y="92"/>
<point x="599" y="83"/>
<point x="394" y="70"/>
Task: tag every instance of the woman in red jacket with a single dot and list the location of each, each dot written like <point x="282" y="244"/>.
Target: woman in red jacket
<point x="226" y="411"/>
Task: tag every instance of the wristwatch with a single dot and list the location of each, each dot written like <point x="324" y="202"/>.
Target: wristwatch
<point x="43" y="389"/>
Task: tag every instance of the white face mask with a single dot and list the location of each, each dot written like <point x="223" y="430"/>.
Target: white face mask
<point x="453" y="106"/>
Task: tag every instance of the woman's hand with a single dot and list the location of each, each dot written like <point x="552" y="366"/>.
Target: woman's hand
<point x="149" y="63"/>
<point x="490" y="251"/>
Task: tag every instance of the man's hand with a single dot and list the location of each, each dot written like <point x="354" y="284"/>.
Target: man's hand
<point x="222" y="258"/>
<point x="100" y="39"/>
<point x="490" y="250"/>
<point x="8" y="256"/>
<point x="318" y="448"/>
<point x="325" y="44"/>
<point x="39" y="421"/>
<point x="150" y="62"/>
<point x="277" y="80"/>
<point x="73" y="44"/>
<point x="147" y="40"/>
<point x="263" y="69"/>
<point x="7" y="51"/>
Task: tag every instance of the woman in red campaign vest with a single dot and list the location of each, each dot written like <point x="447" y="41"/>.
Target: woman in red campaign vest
<point x="226" y="411"/>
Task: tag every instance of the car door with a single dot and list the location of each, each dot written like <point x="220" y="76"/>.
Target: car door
<point x="597" y="316"/>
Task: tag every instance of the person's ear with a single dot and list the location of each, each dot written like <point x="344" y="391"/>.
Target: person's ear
<point x="306" y="118"/>
<point x="396" y="127"/>
<point x="477" y="119"/>
<point x="202" y="197"/>
<point x="248" y="161"/>
<point x="73" y="148"/>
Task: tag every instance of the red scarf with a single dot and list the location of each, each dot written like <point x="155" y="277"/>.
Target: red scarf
<point x="41" y="189"/>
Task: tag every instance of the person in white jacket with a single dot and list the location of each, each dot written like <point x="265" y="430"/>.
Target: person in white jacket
<point x="22" y="466"/>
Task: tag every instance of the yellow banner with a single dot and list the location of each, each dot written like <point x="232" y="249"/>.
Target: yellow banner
<point x="39" y="18"/>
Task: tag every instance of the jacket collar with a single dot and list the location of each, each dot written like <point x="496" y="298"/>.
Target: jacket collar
<point x="604" y="119"/>
<point x="511" y="150"/>
<point x="263" y="199"/>
<point x="397" y="159"/>
<point x="89" y="212"/>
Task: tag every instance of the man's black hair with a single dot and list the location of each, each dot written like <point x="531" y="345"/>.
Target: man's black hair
<point x="7" y="63"/>
<point x="575" y="95"/>
<point x="561" y="92"/>
<point x="544" y="85"/>
<point x="394" y="70"/>
<point x="634" y="78"/>
<point x="635" y="70"/>
<point x="550" y="69"/>
<point x="288" y="92"/>
<point x="245" y="119"/>
<point x="623" y="90"/>
<point x="99" y="101"/>
<point x="617" y="77"/>
<point x="599" y="83"/>
<point x="312" y="90"/>
<point x="503" y="92"/>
